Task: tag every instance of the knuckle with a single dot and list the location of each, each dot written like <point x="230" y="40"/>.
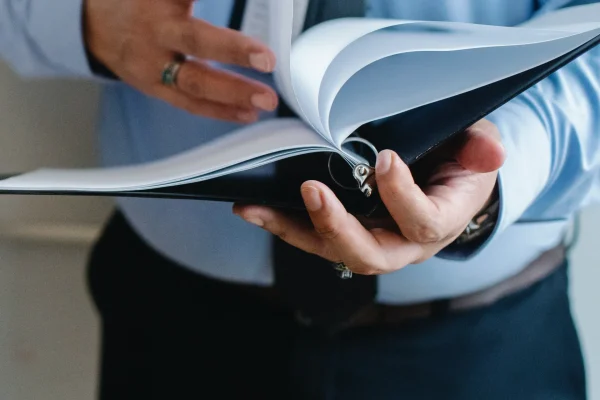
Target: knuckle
<point x="277" y="230"/>
<point x="196" y="89"/>
<point x="428" y="232"/>
<point x="328" y="230"/>
<point x="190" y="39"/>
<point x="194" y="86"/>
<point x="193" y="81"/>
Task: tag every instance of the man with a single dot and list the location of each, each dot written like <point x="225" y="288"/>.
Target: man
<point x="195" y="301"/>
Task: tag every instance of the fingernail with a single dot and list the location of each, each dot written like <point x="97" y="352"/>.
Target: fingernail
<point x="261" y="62"/>
<point x="263" y="101"/>
<point x="255" y="220"/>
<point x="312" y="198"/>
<point x="384" y="162"/>
<point x="247" y="116"/>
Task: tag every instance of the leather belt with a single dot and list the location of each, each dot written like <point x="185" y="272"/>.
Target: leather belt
<point x="542" y="267"/>
<point x="381" y="314"/>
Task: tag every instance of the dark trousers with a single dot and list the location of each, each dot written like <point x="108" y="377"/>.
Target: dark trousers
<point x="168" y="333"/>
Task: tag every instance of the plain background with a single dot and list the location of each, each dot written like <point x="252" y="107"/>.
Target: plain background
<point x="48" y="328"/>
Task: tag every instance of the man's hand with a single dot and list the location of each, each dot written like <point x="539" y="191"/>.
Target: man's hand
<point x="422" y="220"/>
<point x="135" y="39"/>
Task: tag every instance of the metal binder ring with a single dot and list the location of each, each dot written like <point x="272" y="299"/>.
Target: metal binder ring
<point x="350" y="140"/>
<point x="363" y="141"/>
<point x="333" y="176"/>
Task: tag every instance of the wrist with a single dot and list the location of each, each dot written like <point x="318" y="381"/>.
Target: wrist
<point x="484" y="222"/>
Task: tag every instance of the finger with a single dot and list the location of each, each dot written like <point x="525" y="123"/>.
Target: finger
<point x="204" y="108"/>
<point x="200" y="39"/>
<point x="418" y="218"/>
<point x="367" y="252"/>
<point x="482" y="150"/>
<point x="396" y="251"/>
<point x="293" y="231"/>
<point x="342" y="233"/>
<point x="201" y="81"/>
<point x="400" y="252"/>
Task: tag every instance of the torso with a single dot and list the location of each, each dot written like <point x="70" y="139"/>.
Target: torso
<point x="200" y="235"/>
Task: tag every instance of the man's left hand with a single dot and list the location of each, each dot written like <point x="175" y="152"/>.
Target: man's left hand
<point x="422" y="220"/>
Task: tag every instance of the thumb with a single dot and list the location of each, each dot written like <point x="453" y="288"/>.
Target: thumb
<point x="482" y="151"/>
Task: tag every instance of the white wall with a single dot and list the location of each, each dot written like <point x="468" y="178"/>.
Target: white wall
<point x="51" y="124"/>
<point x="46" y="123"/>
<point x="48" y="328"/>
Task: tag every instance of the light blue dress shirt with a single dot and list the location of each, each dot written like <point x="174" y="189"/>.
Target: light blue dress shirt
<point x="551" y="134"/>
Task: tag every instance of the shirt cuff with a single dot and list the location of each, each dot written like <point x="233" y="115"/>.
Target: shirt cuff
<point x="524" y="174"/>
<point x="56" y="28"/>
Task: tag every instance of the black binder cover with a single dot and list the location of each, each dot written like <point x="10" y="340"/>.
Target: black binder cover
<point x="412" y="135"/>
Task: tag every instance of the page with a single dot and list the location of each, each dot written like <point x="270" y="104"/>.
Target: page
<point x="354" y="44"/>
<point x="314" y="52"/>
<point x="244" y="149"/>
<point x="406" y="81"/>
<point x="282" y="30"/>
<point x="380" y="79"/>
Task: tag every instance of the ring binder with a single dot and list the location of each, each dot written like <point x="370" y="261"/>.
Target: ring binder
<point x="365" y="176"/>
<point x="363" y="173"/>
<point x="339" y="103"/>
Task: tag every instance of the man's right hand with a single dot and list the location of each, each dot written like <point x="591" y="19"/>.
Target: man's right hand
<point x="135" y="39"/>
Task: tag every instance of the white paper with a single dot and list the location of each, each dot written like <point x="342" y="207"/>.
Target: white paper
<point x="403" y="82"/>
<point x="282" y="27"/>
<point x="278" y="138"/>
<point x="339" y="76"/>
<point x="312" y="56"/>
<point x="365" y="58"/>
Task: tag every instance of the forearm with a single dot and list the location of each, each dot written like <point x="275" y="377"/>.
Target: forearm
<point x="552" y="134"/>
<point x="43" y="38"/>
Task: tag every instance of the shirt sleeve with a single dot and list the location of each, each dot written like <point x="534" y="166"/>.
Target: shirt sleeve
<point x="552" y="138"/>
<point x="43" y="38"/>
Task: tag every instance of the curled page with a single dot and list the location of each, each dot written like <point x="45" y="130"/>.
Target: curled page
<point x="348" y="72"/>
<point x="280" y="40"/>
<point x="406" y="81"/>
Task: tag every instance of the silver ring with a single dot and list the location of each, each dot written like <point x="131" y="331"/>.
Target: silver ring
<point x="171" y="70"/>
<point x="342" y="269"/>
